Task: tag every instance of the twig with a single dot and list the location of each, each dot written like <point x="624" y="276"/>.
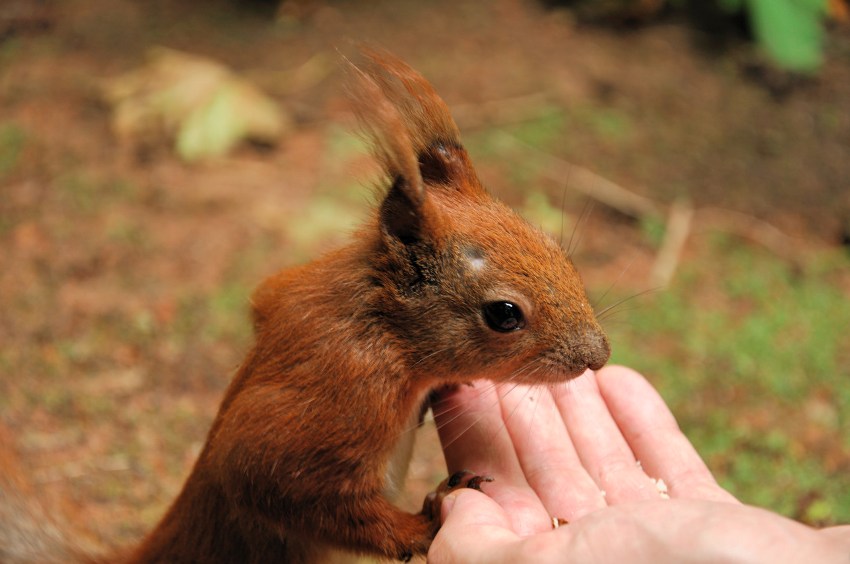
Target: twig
<point x="748" y="227"/>
<point x="590" y="183"/>
<point x="523" y="108"/>
<point x="678" y="227"/>
<point x="682" y="218"/>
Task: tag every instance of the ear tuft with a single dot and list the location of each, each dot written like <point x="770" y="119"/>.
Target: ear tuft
<point x="385" y="127"/>
<point x="415" y="138"/>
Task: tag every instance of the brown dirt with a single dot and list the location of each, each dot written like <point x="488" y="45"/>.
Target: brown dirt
<point x="120" y="269"/>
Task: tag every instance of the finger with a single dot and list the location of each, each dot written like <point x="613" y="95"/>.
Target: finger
<point x="475" y="529"/>
<point x="599" y="443"/>
<point x="547" y="456"/>
<point x="839" y="534"/>
<point x="474" y="438"/>
<point x="654" y="436"/>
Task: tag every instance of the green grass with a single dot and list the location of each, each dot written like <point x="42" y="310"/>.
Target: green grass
<point x="753" y="359"/>
<point x="86" y="194"/>
<point x="228" y="314"/>
<point x="12" y="141"/>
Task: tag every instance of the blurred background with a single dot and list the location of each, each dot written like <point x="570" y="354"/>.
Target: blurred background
<point x="159" y="158"/>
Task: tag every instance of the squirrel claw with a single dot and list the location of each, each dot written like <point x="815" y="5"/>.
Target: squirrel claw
<point x="461" y="479"/>
<point x="466" y="479"/>
<point x="475" y="482"/>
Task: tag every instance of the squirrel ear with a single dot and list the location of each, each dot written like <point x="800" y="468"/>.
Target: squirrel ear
<point x="406" y="212"/>
<point x="402" y="213"/>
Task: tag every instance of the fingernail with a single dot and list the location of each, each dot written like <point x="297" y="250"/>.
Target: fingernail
<point x="448" y="504"/>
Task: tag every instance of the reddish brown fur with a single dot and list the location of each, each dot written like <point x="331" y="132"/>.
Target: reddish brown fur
<point x="349" y="346"/>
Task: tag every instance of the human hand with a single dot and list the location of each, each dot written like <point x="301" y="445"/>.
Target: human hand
<point x="589" y="453"/>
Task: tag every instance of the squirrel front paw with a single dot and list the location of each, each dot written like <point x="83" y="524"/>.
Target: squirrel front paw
<point x="429" y="517"/>
<point x="462" y="479"/>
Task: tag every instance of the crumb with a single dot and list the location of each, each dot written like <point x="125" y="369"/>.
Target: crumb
<point x="661" y="486"/>
<point x="557" y="522"/>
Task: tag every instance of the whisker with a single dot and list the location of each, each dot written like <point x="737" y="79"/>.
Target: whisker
<point x="451" y="441"/>
<point x="533" y="413"/>
<point x="499" y="398"/>
<point x="461" y="408"/>
<point x="614" y="283"/>
<point x="528" y="391"/>
<point x="477" y="420"/>
<point x="489" y="386"/>
<point x="611" y="323"/>
<point x="427" y="356"/>
<point x="415" y="425"/>
<point x="511" y="414"/>
<point x="563" y="202"/>
<point x="624" y="300"/>
<point x="609" y="315"/>
<point x="582" y="220"/>
<point x="566" y="387"/>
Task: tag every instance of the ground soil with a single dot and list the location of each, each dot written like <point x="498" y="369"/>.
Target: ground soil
<point x="116" y="259"/>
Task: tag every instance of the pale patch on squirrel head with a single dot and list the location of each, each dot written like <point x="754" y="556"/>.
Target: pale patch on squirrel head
<point x="468" y="288"/>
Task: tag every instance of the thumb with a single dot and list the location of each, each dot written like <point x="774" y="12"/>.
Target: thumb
<point x="475" y="529"/>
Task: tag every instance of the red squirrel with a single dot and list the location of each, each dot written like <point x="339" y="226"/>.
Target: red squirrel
<point x="443" y="285"/>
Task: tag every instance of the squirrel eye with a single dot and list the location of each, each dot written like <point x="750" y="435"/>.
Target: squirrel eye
<point x="504" y="316"/>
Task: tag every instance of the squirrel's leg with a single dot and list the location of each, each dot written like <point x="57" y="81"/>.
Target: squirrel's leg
<point x="371" y="523"/>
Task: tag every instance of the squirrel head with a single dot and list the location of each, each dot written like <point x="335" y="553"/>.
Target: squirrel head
<point x="467" y="288"/>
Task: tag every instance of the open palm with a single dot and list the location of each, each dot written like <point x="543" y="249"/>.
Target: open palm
<point x="603" y="457"/>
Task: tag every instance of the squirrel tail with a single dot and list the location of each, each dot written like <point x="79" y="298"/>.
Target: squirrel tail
<point x="28" y="532"/>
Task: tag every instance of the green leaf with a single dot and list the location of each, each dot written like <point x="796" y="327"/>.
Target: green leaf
<point x="790" y="31"/>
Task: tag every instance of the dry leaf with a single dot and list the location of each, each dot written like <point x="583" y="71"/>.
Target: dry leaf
<point x="199" y="103"/>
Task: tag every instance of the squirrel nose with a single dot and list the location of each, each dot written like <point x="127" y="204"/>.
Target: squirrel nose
<point x="597" y="349"/>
